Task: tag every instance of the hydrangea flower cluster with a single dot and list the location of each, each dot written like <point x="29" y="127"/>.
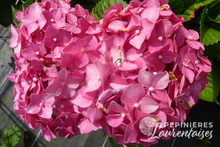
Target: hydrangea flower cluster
<point x="135" y="67"/>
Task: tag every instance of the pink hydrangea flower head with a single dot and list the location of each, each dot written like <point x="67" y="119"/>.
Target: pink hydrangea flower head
<point x="133" y="69"/>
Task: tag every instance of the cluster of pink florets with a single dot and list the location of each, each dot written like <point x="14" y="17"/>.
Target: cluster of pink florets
<point x="136" y="66"/>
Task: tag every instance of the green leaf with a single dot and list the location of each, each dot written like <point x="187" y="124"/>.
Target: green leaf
<point x="191" y="6"/>
<point x="113" y="143"/>
<point x="211" y="91"/>
<point x="27" y="3"/>
<point x="213" y="11"/>
<point x="210" y="33"/>
<point x="11" y="136"/>
<point x="5" y="13"/>
<point x="176" y="6"/>
<point x="209" y="30"/>
<point x="213" y="52"/>
<point x="104" y="5"/>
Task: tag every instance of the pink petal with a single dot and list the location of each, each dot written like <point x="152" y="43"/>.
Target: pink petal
<point x="81" y="60"/>
<point x="55" y="88"/>
<point x="67" y="60"/>
<point x="67" y="92"/>
<point x="52" y="71"/>
<point x="131" y="133"/>
<point x="116" y="25"/>
<point x="160" y="80"/>
<point x="80" y="101"/>
<point x="94" y="114"/>
<point x="132" y="55"/>
<point x="33" y="108"/>
<point x="151" y="13"/>
<point x="138" y="40"/>
<point x="132" y="94"/>
<point x="115" y="107"/>
<point x="37" y="65"/>
<point x="144" y="77"/>
<point x="34" y="10"/>
<point x="63" y="74"/>
<point x="114" y="120"/>
<point x="168" y="56"/>
<point x="46" y="112"/>
<point x="86" y="126"/>
<point x="148" y="105"/>
<point x="72" y="19"/>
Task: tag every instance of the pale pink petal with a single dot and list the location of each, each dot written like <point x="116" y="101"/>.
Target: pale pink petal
<point x="138" y="40"/>
<point x="63" y="74"/>
<point x="80" y="101"/>
<point x="151" y="13"/>
<point x="132" y="94"/>
<point x="116" y="25"/>
<point x="33" y="108"/>
<point x="148" y="105"/>
<point x="160" y="80"/>
<point x="144" y="77"/>
<point x="94" y="114"/>
<point x="114" y="120"/>
<point x="86" y="126"/>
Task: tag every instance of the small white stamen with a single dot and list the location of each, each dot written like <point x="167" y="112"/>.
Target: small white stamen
<point x="160" y="56"/>
<point x="98" y="77"/>
<point x="52" y="20"/>
<point x="45" y="68"/>
<point x="197" y="62"/>
<point x="151" y="88"/>
<point x="160" y="38"/>
<point x="136" y="105"/>
<point x="123" y="115"/>
<point x="154" y="73"/>
<point x="137" y="31"/>
<point x="190" y="37"/>
<point x="185" y="64"/>
<point x="55" y="39"/>
<point x="35" y="79"/>
<point x="118" y="45"/>
<point x="141" y="54"/>
<point x="37" y="53"/>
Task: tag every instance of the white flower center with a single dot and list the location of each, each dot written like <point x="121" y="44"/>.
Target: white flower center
<point x="160" y="56"/>
<point x="35" y="79"/>
<point x="137" y="31"/>
<point x="136" y="105"/>
<point x="151" y="88"/>
<point x="190" y="37"/>
<point x="123" y="115"/>
<point x="55" y="39"/>
<point x="160" y="38"/>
